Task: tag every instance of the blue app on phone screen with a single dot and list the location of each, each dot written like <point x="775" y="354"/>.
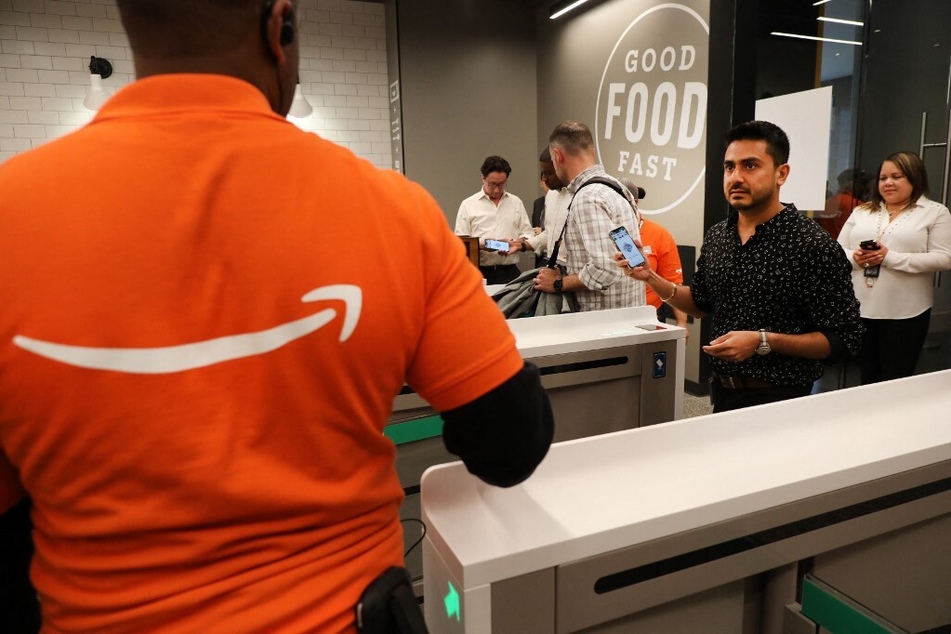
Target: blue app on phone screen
<point x="625" y="244"/>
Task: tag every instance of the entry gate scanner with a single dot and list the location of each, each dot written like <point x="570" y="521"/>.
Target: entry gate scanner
<point x="603" y="372"/>
<point x="710" y="524"/>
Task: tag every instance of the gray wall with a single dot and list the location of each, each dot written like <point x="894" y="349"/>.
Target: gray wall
<point x="468" y="88"/>
<point x="494" y="77"/>
<point x="573" y="55"/>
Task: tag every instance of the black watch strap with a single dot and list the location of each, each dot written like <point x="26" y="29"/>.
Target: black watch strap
<point x="558" y="284"/>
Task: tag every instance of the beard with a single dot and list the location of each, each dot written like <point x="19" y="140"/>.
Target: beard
<point x="749" y="200"/>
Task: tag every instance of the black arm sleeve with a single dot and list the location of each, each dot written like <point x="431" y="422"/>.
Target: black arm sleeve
<point x="19" y="608"/>
<point x="502" y="436"/>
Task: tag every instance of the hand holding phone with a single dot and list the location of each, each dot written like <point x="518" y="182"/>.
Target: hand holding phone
<point x="625" y="244"/>
<point x="870" y="245"/>
<point x="497" y="245"/>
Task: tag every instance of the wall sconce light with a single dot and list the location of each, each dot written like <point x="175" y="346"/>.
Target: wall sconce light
<point x="300" y="107"/>
<point x="560" y="8"/>
<point x="99" y="69"/>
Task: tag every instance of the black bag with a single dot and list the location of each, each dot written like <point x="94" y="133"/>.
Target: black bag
<point x="388" y="605"/>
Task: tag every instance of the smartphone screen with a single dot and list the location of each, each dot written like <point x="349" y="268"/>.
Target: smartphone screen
<point x="497" y="245"/>
<point x="625" y="244"/>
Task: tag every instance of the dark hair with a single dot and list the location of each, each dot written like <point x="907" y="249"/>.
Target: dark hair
<point x="495" y="164"/>
<point x="545" y="156"/>
<point x="185" y="28"/>
<point x="909" y="164"/>
<point x="573" y="137"/>
<point x="849" y="178"/>
<point x="777" y="143"/>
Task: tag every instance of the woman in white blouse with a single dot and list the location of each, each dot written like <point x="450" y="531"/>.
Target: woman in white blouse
<point x="896" y="242"/>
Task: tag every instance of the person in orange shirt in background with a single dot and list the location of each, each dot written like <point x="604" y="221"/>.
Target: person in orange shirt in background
<point x="660" y="248"/>
<point x="853" y="191"/>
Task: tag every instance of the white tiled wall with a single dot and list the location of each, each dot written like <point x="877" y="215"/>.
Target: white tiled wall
<point x="343" y="74"/>
<point x="45" y="46"/>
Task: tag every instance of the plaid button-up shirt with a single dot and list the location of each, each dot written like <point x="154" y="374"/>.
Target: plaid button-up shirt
<point x="595" y="211"/>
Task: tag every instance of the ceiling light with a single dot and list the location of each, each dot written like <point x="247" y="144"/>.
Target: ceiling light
<point x="840" y="21"/>
<point x="99" y="69"/>
<point x="816" y="38"/>
<point x="300" y="107"/>
<point x="561" y="8"/>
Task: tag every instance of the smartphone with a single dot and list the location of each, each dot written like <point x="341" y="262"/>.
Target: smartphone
<point x="496" y="245"/>
<point x="870" y="245"/>
<point x="625" y="244"/>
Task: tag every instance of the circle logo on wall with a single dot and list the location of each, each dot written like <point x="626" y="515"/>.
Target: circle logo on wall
<point x="651" y="116"/>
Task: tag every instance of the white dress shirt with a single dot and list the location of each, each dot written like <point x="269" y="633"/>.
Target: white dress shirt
<point x="479" y="216"/>
<point x="919" y="244"/>
<point x="556" y="211"/>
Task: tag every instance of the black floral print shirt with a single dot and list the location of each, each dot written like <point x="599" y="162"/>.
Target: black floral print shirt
<point x="790" y="277"/>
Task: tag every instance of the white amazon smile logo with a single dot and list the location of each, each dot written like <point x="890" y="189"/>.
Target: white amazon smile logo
<point x="199" y="354"/>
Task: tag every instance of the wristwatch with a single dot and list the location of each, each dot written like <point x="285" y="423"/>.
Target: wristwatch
<point x="558" y="283"/>
<point x="763" y="347"/>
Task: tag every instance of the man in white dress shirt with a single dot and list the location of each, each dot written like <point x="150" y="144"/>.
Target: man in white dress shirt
<point x="495" y="214"/>
<point x="555" y="213"/>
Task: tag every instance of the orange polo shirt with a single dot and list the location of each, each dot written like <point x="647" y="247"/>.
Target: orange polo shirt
<point x="207" y="315"/>
<point x="661" y="251"/>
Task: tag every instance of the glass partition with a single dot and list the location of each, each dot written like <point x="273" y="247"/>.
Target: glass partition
<point x="889" y="65"/>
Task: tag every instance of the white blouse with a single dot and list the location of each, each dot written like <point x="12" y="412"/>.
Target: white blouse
<point x="919" y="244"/>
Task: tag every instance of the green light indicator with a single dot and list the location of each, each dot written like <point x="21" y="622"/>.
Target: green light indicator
<point x="452" y="603"/>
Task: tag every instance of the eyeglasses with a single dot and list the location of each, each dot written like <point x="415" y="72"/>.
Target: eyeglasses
<point x="492" y="185"/>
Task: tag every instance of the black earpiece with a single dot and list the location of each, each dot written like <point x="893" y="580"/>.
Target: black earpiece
<point x="287" y="29"/>
<point x="287" y="26"/>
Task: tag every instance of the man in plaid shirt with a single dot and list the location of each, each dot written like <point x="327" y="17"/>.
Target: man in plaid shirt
<point x="595" y="210"/>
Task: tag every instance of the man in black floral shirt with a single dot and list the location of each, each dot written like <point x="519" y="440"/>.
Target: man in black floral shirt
<point x="776" y="286"/>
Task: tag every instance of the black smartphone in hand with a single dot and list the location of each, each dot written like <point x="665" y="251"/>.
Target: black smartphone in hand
<point x="870" y="245"/>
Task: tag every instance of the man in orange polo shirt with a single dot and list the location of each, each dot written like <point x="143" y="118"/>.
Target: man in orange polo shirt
<point x="195" y="370"/>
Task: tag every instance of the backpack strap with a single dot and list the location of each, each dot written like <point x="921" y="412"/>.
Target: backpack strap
<point x="591" y="181"/>
<point x="603" y="181"/>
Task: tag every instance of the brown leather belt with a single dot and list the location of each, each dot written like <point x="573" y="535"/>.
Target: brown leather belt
<point x="741" y="382"/>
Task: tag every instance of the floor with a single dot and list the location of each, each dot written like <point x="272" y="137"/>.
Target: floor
<point x="696" y="405"/>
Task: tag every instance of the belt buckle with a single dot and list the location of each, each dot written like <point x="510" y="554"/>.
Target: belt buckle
<point x="731" y="382"/>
